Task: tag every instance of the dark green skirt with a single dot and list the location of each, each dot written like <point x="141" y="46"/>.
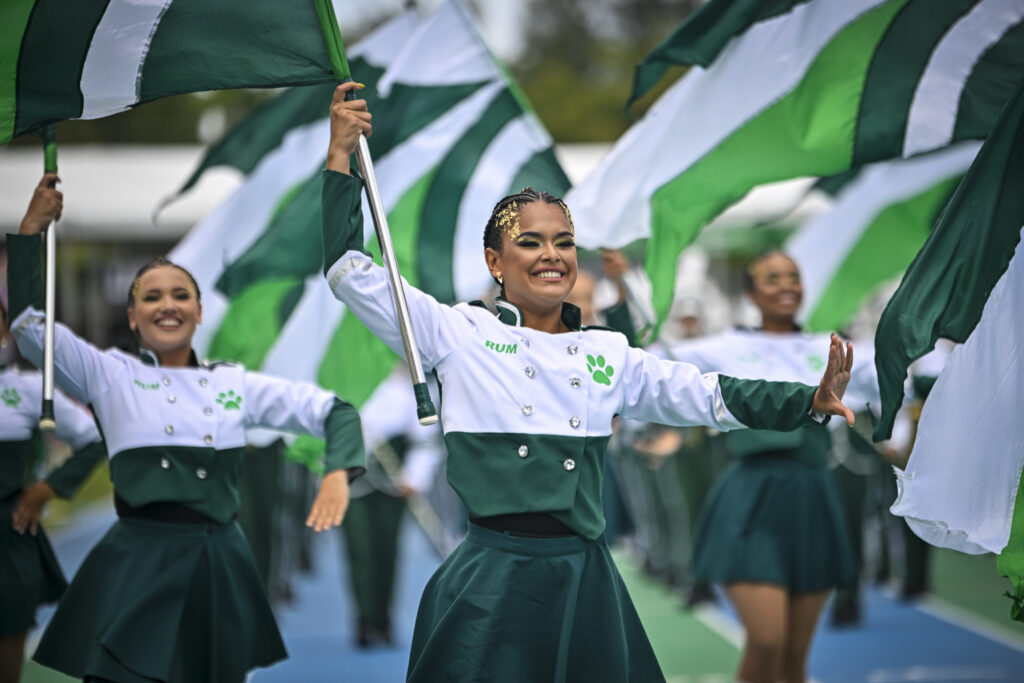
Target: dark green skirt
<point x="157" y="601"/>
<point x="509" y="609"/>
<point x="29" y="574"/>
<point x="772" y="519"/>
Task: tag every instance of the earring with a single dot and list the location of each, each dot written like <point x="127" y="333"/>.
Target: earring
<point x="500" y="280"/>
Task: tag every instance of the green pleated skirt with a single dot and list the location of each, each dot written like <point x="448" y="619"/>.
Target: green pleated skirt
<point x="508" y="609"/>
<point x="30" y="575"/>
<point x="159" y="601"/>
<point x="773" y="519"/>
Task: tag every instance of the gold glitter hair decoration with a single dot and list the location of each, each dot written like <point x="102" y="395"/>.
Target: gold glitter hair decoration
<point x="508" y="220"/>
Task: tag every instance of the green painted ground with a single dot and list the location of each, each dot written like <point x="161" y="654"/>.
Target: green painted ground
<point x="687" y="650"/>
<point x="971" y="583"/>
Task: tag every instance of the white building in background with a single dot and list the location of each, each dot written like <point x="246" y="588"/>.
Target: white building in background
<point x="112" y="191"/>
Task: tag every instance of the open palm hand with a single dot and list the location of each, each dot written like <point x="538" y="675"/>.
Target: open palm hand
<point x="828" y="399"/>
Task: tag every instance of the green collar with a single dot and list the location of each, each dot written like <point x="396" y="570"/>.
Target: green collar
<point x="510" y="314"/>
<point x="149" y="357"/>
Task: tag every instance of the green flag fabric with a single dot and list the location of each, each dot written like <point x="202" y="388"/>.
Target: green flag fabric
<point x="962" y="485"/>
<point x="451" y="137"/>
<point x="87" y="59"/>
<point x="794" y="90"/>
<point x="872" y="232"/>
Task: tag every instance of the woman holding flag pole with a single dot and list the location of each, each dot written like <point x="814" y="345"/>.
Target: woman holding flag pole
<point x="171" y="592"/>
<point x="528" y="401"/>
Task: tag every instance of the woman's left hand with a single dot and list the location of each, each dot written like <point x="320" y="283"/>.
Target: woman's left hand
<point x="30" y="506"/>
<point x="828" y="399"/>
<point x="331" y="502"/>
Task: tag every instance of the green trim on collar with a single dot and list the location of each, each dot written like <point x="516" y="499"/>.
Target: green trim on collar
<point x="149" y="357"/>
<point x="510" y="314"/>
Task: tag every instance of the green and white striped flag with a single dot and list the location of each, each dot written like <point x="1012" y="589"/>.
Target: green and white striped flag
<point x="872" y="232"/>
<point x="796" y="88"/>
<point x="452" y="135"/>
<point x="962" y="487"/>
<point x="85" y="59"/>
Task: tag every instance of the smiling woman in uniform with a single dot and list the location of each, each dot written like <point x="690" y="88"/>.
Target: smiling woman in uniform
<point x="532" y="593"/>
<point x="772" y="531"/>
<point x="171" y="592"/>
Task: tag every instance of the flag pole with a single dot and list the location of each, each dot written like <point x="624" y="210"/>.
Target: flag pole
<point x="425" y="410"/>
<point x="47" y="423"/>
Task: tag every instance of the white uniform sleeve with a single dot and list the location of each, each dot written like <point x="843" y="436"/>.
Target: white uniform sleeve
<point x="672" y="393"/>
<point x="79" y="368"/>
<point x="294" y="407"/>
<point x="363" y="286"/>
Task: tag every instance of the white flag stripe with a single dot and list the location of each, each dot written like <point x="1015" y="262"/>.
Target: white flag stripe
<point x="230" y="229"/>
<point x="111" y="78"/>
<point x="406" y="164"/>
<point x="823" y="245"/>
<point x="424" y="60"/>
<point x="966" y="503"/>
<point x="379" y="47"/>
<point x="302" y="344"/>
<point x="770" y="59"/>
<point x="498" y="166"/>
<point x="937" y="97"/>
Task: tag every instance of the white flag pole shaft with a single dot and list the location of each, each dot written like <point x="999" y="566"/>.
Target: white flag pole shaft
<point x="46" y="419"/>
<point x="424" y="406"/>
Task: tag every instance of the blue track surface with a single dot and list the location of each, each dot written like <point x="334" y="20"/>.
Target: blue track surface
<point x="896" y="642"/>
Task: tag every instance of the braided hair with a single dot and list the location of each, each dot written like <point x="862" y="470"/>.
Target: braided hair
<point x="528" y="195"/>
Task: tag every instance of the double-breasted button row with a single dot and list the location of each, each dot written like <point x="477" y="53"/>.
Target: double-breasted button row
<point x="201" y="472"/>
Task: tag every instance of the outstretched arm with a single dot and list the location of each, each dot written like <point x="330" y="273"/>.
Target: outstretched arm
<point x="352" y="275"/>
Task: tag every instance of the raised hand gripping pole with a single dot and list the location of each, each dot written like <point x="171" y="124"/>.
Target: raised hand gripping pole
<point x="424" y="406"/>
<point x="339" y="64"/>
<point x="47" y="423"/>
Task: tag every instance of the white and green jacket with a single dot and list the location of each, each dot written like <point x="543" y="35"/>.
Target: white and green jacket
<point x="527" y="415"/>
<point x="175" y="434"/>
<point x="21" y="394"/>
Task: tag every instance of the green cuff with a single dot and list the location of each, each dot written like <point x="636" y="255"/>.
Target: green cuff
<point x="759" y="404"/>
<point x="67" y="478"/>
<point x="342" y="216"/>
<point x="24" y="274"/>
<point x="344" y="448"/>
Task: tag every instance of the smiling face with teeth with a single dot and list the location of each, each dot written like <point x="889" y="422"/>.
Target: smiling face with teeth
<point x="775" y="288"/>
<point x="537" y="265"/>
<point x="164" y="311"/>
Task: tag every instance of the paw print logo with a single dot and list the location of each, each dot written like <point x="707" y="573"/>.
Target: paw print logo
<point x="10" y="397"/>
<point x="599" y="371"/>
<point x="229" y="399"/>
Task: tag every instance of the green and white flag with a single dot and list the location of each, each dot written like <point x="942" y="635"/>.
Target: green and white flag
<point x="962" y="487"/>
<point x="793" y="89"/>
<point x="872" y="232"/>
<point x="85" y="59"/>
<point x="452" y="135"/>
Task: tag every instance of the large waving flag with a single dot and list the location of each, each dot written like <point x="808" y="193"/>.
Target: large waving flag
<point x="85" y="59"/>
<point x="795" y="88"/>
<point x="962" y="487"/>
<point x="452" y="135"/>
<point x="872" y="232"/>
